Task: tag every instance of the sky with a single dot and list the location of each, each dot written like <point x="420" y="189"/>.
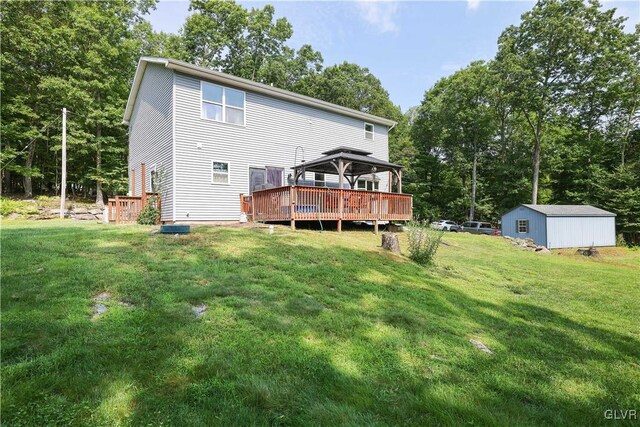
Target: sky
<point x="408" y="45"/>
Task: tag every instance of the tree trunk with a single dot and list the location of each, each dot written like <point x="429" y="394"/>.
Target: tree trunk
<point x="625" y="138"/>
<point x="536" y="171"/>
<point x="99" y="195"/>
<point x="390" y="242"/>
<point x="474" y="184"/>
<point x="28" y="187"/>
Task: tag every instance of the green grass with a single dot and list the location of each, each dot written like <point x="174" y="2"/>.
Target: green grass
<point x="306" y="328"/>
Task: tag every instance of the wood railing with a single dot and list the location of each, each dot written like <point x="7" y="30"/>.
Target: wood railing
<point x="125" y="209"/>
<point x="319" y="203"/>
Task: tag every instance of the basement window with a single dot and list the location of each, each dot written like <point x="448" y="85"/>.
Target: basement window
<point x="522" y="225"/>
<point x="368" y="131"/>
<point x="219" y="172"/>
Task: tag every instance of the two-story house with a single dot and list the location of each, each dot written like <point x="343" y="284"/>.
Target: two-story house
<point x="206" y="137"/>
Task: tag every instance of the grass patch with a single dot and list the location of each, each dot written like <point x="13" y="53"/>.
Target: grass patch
<point x="306" y="328"/>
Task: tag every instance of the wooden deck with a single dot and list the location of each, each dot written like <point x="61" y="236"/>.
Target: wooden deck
<point x="125" y="209"/>
<point x="302" y="203"/>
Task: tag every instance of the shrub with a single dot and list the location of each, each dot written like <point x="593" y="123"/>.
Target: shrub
<point x="149" y="215"/>
<point x="423" y="242"/>
<point x="9" y="206"/>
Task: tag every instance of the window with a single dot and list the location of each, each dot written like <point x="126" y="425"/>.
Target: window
<point x="367" y="184"/>
<point x="522" y="225"/>
<point x="219" y="172"/>
<point x="318" y="180"/>
<point x="368" y="131"/>
<point x="222" y="104"/>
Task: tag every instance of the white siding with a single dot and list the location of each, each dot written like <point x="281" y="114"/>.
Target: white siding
<point x="274" y="128"/>
<point x="150" y="133"/>
<point x="573" y="232"/>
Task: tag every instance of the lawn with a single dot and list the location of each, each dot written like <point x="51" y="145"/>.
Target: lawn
<point x="309" y="328"/>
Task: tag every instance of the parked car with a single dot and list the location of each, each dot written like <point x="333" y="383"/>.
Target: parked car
<point x="446" y="225"/>
<point x="477" y="227"/>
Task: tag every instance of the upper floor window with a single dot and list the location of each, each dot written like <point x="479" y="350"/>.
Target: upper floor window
<point x="368" y="131"/>
<point x="222" y="104"/>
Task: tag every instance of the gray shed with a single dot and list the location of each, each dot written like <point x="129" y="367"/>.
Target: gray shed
<point x="561" y="226"/>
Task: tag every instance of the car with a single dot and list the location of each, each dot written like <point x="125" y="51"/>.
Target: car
<point x="478" y="227"/>
<point x="446" y="225"/>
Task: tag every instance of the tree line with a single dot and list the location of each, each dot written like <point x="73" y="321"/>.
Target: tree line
<point x="553" y="118"/>
<point x="82" y="55"/>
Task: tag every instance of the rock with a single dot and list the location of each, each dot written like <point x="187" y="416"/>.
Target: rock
<point x="99" y="310"/>
<point x="126" y="304"/>
<point x="480" y="346"/>
<point x="199" y="310"/>
<point x="84" y="217"/>
<point x="80" y="210"/>
<point x="588" y="252"/>
<point x="390" y="242"/>
<point x="14" y="215"/>
<point x="103" y="296"/>
<point x="40" y="270"/>
<point x="543" y="250"/>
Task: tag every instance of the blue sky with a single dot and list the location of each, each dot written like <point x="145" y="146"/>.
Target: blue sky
<point x="408" y="45"/>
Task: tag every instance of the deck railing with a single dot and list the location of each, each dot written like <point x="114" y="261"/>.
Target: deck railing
<point x="125" y="209"/>
<point x="313" y="203"/>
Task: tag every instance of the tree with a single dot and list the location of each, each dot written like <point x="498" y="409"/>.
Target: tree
<point x="456" y="121"/>
<point x="537" y="60"/>
<point x="80" y="55"/>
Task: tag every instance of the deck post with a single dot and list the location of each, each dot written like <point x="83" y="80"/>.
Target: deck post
<point x="117" y="210"/>
<point x="133" y="182"/>
<point x="340" y="207"/>
<point x="293" y="207"/>
<point x="375" y="227"/>
<point x="399" y="180"/>
<point x="144" y="185"/>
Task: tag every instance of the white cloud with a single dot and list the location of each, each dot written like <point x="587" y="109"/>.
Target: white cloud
<point x="379" y="14"/>
<point x="473" y="4"/>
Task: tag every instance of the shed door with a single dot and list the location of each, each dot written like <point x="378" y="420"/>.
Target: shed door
<point x="257" y="177"/>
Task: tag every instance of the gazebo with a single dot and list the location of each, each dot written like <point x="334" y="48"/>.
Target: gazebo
<point x="344" y="203"/>
<point x="349" y="163"/>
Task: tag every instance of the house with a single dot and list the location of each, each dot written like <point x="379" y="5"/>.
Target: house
<point x="561" y="226"/>
<point x="207" y="137"/>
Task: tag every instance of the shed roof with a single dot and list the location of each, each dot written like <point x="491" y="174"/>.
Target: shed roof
<point x="569" y="210"/>
<point x="238" y="82"/>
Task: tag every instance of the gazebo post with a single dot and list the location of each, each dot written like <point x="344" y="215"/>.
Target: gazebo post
<point x="399" y="180"/>
<point x="341" y="192"/>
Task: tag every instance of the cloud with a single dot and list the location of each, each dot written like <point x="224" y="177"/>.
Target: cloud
<point x="379" y="14"/>
<point x="473" y="4"/>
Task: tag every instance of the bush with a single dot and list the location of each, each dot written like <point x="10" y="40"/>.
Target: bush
<point x="423" y="242"/>
<point x="9" y="206"/>
<point x="149" y="215"/>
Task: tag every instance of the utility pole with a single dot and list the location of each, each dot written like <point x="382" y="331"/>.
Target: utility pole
<point x="63" y="182"/>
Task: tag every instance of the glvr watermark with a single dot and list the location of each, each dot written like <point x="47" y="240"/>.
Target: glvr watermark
<point x="621" y="414"/>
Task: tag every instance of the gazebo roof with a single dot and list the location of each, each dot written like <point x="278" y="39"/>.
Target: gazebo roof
<point x="359" y="163"/>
